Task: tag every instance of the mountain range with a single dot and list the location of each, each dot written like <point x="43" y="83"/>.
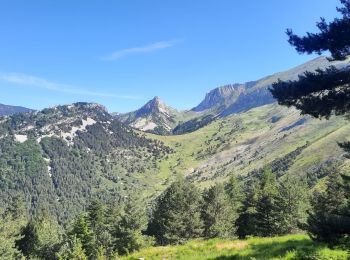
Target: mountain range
<point x="60" y="158"/>
<point x="6" y="110"/>
<point x="157" y="117"/>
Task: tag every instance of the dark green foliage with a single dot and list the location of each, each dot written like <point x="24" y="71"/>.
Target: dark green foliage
<point x="100" y="219"/>
<point x="41" y="238"/>
<point x="329" y="218"/>
<point x="73" y="250"/>
<point x="176" y="217"/>
<point x="267" y="211"/>
<point x="128" y="231"/>
<point x="272" y="207"/>
<point x="10" y="232"/>
<point x="63" y="174"/>
<point x="246" y="222"/>
<point x="218" y="213"/>
<point x="333" y="36"/>
<point x="107" y="230"/>
<point x="260" y="213"/>
<point x="320" y="93"/>
<point x="23" y="172"/>
<point x="292" y="203"/>
<point x="234" y="190"/>
<point x="82" y="232"/>
<point x="95" y="214"/>
<point x="324" y="92"/>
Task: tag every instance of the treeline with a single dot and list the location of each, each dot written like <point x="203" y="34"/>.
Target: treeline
<point x="261" y="206"/>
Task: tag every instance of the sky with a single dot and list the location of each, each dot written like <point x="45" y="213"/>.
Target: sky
<point x="121" y="53"/>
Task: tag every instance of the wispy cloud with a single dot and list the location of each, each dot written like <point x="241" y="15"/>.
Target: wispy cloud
<point x="141" y="49"/>
<point x="28" y="80"/>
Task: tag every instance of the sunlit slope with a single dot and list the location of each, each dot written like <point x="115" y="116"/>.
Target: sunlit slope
<point x="245" y="142"/>
<point x="286" y="247"/>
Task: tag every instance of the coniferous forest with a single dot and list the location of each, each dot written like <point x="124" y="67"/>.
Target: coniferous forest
<point x="77" y="182"/>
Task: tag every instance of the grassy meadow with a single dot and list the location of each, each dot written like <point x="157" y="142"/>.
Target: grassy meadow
<point x="298" y="246"/>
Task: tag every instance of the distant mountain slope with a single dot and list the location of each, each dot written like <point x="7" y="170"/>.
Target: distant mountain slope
<point x="6" y="110"/>
<point x="59" y="158"/>
<point x="155" y="116"/>
<point x="244" y="143"/>
<point x="242" y="97"/>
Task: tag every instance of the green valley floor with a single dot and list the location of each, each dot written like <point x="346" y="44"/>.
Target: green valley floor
<point x="286" y="247"/>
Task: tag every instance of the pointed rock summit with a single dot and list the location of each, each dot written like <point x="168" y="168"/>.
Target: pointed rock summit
<point x="155" y="105"/>
<point x="155" y="116"/>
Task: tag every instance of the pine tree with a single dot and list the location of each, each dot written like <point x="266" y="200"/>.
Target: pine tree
<point x="176" y="217"/>
<point x="72" y="250"/>
<point x="128" y="231"/>
<point x="10" y="227"/>
<point x="235" y="193"/>
<point x="113" y="215"/>
<point x="41" y="237"/>
<point x="83" y="233"/>
<point x="218" y="213"/>
<point x="97" y="219"/>
<point x="246" y="222"/>
<point x="293" y="203"/>
<point x="324" y="92"/>
<point x="267" y="212"/>
<point x="95" y="215"/>
<point x="329" y="218"/>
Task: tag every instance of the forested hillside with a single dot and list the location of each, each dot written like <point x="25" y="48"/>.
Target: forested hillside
<point x="58" y="159"/>
<point x="258" y="169"/>
<point x="62" y="157"/>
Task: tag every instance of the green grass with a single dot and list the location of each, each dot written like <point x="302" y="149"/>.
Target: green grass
<point x="255" y="140"/>
<point x="285" y="247"/>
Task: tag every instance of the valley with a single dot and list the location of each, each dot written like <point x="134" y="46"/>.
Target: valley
<point x="175" y="130"/>
<point x="242" y="144"/>
<point x="74" y="153"/>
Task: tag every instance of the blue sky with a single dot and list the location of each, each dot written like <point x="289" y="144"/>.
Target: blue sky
<point x="122" y="53"/>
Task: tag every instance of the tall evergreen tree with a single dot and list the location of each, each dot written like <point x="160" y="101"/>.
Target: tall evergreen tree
<point x="246" y="222"/>
<point x="324" y="92"/>
<point x="218" y="213"/>
<point x="329" y="218"/>
<point x="176" y="217"/>
<point x="235" y="192"/>
<point x="95" y="214"/>
<point x="82" y="232"/>
<point x="128" y="231"/>
<point x="10" y="229"/>
<point x="267" y="211"/>
<point x="97" y="219"/>
<point x="293" y="203"/>
<point x="41" y="237"/>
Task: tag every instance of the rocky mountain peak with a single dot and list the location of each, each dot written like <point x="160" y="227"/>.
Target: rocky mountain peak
<point x="220" y="96"/>
<point x="155" y="116"/>
<point x="155" y="105"/>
